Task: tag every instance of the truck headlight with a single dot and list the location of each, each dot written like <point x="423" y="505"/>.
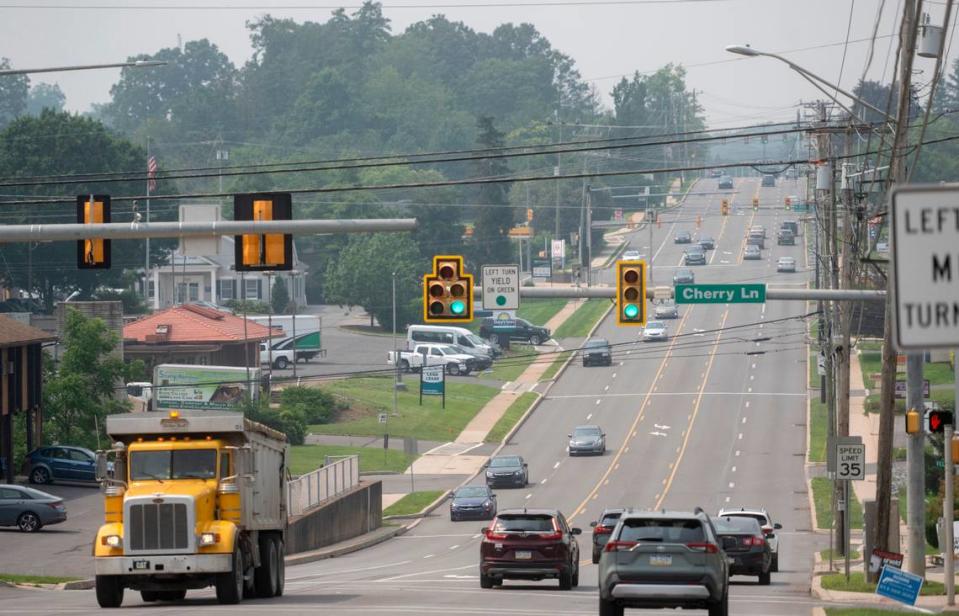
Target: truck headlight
<point x="209" y="539"/>
<point x="113" y="541"/>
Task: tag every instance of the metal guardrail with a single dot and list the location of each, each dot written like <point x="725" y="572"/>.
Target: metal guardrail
<point x="325" y="483"/>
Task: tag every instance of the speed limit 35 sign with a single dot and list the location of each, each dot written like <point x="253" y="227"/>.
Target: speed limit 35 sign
<point x="851" y="461"/>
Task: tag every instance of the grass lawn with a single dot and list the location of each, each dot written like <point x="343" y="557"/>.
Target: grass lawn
<point x="370" y="396"/>
<point x="821" y="487"/>
<point x="307" y="458"/>
<point x="414" y="502"/>
<point x="581" y="321"/>
<point x="824" y="554"/>
<point x="554" y="367"/>
<point x="818" y="428"/>
<point x="938" y="373"/>
<point x="511" y="364"/>
<point x="512" y="415"/>
<point x="539" y="311"/>
<point x="814" y="378"/>
<point x="857" y="583"/>
<point x="15" y="578"/>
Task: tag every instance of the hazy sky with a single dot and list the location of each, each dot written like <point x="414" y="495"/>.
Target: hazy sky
<point x="606" y="39"/>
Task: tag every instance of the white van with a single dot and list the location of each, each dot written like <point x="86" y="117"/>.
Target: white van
<point x="442" y="334"/>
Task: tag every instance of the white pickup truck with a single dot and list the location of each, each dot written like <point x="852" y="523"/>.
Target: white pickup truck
<point x="436" y="355"/>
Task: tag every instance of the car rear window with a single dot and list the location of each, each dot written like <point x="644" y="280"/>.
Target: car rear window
<point x="505" y="461"/>
<point x="662" y="530"/>
<point x="524" y="522"/>
<point x="610" y="519"/>
<point x="752" y="516"/>
<point x="736" y="525"/>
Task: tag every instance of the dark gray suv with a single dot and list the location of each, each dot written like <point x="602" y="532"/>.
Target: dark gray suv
<point x="664" y="559"/>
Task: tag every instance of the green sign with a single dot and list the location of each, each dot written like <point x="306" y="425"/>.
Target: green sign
<point x="433" y="382"/>
<point x="720" y="293"/>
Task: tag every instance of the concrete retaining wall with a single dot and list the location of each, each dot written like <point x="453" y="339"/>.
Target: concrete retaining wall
<point x="354" y="513"/>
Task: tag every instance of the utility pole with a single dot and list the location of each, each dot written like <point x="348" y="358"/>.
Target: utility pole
<point x="556" y="172"/>
<point x="884" y="514"/>
<point x="146" y="264"/>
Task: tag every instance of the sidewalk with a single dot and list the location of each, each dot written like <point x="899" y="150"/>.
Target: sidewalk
<point x="864" y="425"/>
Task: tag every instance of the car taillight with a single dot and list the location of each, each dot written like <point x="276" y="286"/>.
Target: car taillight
<point x="58" y="505"/>
<point x="556" y="536"/>
<point x="620" y="546"/>
<point x="493" y="536"/>
<point x="602" y="530"/>
<point x="767" y="530"/>
<point x="757" y="541"/>
<point x="709" y="548"/>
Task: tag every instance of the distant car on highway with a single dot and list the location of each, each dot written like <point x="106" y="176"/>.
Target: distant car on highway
<point x="792" y="225"/>
<point x="683" y="237"/>
<point x="766" y="523"/>
<point x="29" y="509"/>
<point x="707" y="242"/>
<point x="757" y="229"/>
<point x="725" y="182"/>
<point x="769" y="180"/>
<point x="597" y="351"/>
<point x="603" y="528"/>
<point x="785" y="237"/>
<point x="786" y="264"/>
<point x="655" y="330"/>
<point x="684" y="275"/>
<point x="752" y="253"/>
<point x="666" y="310"/>
<point x="632" y="255"/>
<point x="694" y="255"/>
<point x="472" y="502"/>
<point x="748" y="550"/>
<point x="529" y="544"/>
<point x="588" y="440"/>
<point x="60" y="463"/>
<point x="511" y="471"/>
<point x="664" y="559"/>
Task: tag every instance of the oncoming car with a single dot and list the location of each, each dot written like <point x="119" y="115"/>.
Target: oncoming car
<point x="655" y="330"/>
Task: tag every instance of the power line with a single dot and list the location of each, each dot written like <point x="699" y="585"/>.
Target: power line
<point x="334" y="7"/>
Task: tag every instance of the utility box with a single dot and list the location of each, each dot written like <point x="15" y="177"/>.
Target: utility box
<point x="930" y="39"/>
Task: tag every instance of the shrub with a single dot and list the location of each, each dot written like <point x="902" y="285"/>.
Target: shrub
<point x="315" y="405"/>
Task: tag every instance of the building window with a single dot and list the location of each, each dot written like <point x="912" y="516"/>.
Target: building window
<point x="194" y="291"/>
<point x="252" y="289"/>
<point x="226" y="288"/>
<point x="180" y="296"/>
<point x="151" y="289"/>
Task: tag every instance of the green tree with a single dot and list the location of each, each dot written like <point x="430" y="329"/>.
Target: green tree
<point x="83" y="391"/>
<point x="280" y="297"/>
<point x="361" y="276"/>
<point x="45" y="96"/>
<point x="494" y="216"/>
<point x="13" y="95"/>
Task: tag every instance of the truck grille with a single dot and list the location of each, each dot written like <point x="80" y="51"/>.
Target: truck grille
<point x="158" y="526"/>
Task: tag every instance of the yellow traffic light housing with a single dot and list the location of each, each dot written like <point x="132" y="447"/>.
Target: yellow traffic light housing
<point x="93" y="253"/>
<point x="631" y="293"/>
<point x="725" y="207"/>
<point x="448" y="291"/>
<point x="755" y="203"/>
<point x="263" y="252"/>
<point x="954" y="449"/>
<point x="913" y="422"/>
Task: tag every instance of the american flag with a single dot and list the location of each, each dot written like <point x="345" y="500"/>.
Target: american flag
<point x="151" y="174"/>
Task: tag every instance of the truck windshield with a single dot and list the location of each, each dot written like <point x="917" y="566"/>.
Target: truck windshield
<point x="173" y="464"/>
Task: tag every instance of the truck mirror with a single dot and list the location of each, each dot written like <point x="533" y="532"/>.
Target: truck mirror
<point x="101" y="470"/>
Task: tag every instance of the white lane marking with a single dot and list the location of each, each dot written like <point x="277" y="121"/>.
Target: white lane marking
<point x="727" y="499"/>
<point x="606" y="388"/>
<point x="744" y="420"/>
<point x="598" y="400"/>
<point x="763" y="309"/>
<point x="542" y="482"/>
<point x="453" y="547"/>
<point x="529" y="496"/>
<point x="555" y="466"/>
<point x="734" y="469"/>
<point x="658" y="434"/>
<point x="747" y="404"/>
<point x="754" y="366"/>
<point x="752" y="377"/>
<point x="620" y="363"/>
<point x="661" y="427"/>
<point x="740" y="436"/>
<point x="737" y="453"/>
<point x="681" y="393"/>
<point x="435" y="536"/>
<point x="428" y="556"/>
<point x="406" y="575"/>
<point x="749" y="390"/>
<point x="588" y="417"/>
<point x="614" y="374"/>
<point x="732" y="485"/>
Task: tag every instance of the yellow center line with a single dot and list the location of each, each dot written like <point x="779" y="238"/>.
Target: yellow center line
<point x="742" y="246"/>
<point x="689" y="428"/>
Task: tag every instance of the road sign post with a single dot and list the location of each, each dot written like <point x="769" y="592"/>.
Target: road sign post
<point x="500" y="287"/>
<point x="925" y="233"/>
<point x="720" y="293"/>
<point x="433" y="382"/>
<point x="850" y="462"/>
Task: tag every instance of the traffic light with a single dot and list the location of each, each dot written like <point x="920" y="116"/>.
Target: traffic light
<point x="529" y="214"/>
<point x="755" y="203"/>
<point x="913" y="422"/>
<point x="448" y="292"/>
<point x="788" y="203"/>
<point x="699" y="220"/>
<point x="256" y="252"/>
<point x="93" y="253"/>
<point x="631" y="293"/>
<point x="936" y="421"/>
<point x="725" y="207"/>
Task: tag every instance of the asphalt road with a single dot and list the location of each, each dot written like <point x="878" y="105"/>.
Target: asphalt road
<point x="692" y="421"/>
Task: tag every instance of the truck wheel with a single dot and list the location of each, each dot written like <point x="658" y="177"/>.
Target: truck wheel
<point x="281" y="363"/>
<point x="149" y="596"/>
<point x="264" y="576"/>
<point x="280" y="566"/>
<point x="229" y="585"/>
<point x="109" y="590"/>
<point x="453" y="369"/>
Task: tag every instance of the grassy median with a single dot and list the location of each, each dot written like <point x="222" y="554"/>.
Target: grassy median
<point x="579" y="324"/>
<point x="516" y="410"/>
<point x="539" y="311"/>
<point x="412" y="503"/>
<point x="15" y="578"/>
<point x="307" y="458"/>
<point x="857" y="583"/>
<point x="821" y="489"/>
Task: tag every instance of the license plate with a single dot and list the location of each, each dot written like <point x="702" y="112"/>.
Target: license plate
<point x="660" y="560"/>
<point x="141" y="564"/>
<point x="523" y="555"/>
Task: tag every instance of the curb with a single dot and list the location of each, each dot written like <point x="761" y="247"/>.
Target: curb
<point x="424" y="511"/>
<point x="77" y="585"/>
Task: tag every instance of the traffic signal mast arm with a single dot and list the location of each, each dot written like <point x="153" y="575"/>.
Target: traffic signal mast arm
<point x="848" y="295"/>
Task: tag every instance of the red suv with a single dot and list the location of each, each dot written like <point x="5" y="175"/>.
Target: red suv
<point x="529" y="544"/>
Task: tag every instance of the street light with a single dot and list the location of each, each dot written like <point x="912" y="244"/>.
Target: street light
<point x="746" y="50"/>
<point x="84" y="67"/>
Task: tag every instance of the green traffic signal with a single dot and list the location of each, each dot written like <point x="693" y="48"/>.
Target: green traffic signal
<point x="631" y="311"/>
<point x="457" y="307"/>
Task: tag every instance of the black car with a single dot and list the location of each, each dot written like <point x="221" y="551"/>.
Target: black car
<point x="769" y="180"/>
<point x="750" y="555"/>
<point x="684" y="275"/>
<point x="516" y="329"/>
<point x="472" y="503"/>
<point x="587" y="440"/>
<point x="602" y="529"/>
<point x="706" y="242"/>
<point x="694" y="255"/>
<point x="683" y="237"/>
<point x="597" y="351"/>
<point x="725" y="182"/>
<point x="509" y="471"/>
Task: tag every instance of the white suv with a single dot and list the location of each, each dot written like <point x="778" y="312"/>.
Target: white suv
<point x="766" y="522"/>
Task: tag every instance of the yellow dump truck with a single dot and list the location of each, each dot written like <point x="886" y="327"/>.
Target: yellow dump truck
<point x="195" y="499"/>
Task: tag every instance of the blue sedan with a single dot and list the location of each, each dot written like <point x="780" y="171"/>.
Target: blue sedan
<point x="472" y="502"/>
<point x="61" y="463"/>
